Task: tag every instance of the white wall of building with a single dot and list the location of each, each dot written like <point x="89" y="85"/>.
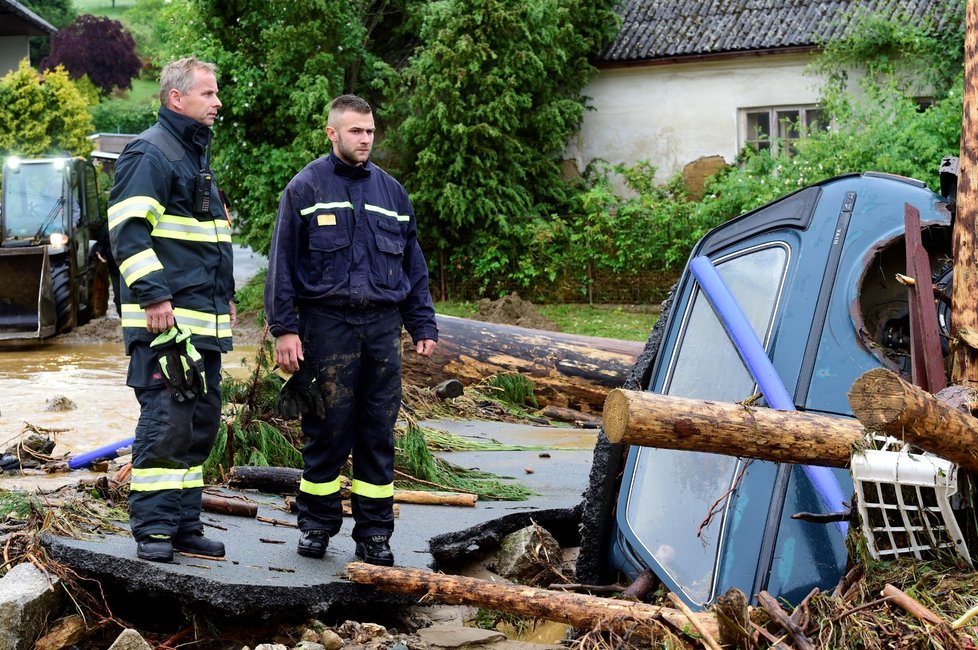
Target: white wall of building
<point x="673" y="114"/>
<point x="12" y="50"/>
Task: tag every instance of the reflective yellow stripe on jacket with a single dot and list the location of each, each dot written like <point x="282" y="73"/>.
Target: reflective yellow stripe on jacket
<point x="153" y="479"/>
<point x="136" y="266"/>
<point x="138" y="207"/>
<point x="199" y="322"/>
<point x="190" y="229"/>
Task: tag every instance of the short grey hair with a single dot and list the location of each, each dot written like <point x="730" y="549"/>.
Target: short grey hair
<point x="179" y="75"/>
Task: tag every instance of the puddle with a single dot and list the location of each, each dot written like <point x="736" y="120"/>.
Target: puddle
<point x="93" y="376"/>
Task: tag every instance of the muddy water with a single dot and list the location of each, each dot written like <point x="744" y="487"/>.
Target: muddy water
<point x="92" y="376"/>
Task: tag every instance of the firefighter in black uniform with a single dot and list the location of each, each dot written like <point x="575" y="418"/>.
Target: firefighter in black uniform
<point x="171" y="236"/>
<point x="345" y="274"/>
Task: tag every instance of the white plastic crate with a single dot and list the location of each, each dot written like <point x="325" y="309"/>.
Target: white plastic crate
<point x="904" y="501"/>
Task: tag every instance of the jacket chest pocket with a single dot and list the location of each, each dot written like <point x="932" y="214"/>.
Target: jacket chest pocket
<point x="329" y="246"/>
<point x="389" y="268"/>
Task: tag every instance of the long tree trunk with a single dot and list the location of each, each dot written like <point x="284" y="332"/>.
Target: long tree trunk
<point x="567" y="370"/>
<point x="886" y="403"/>
<point x="964" y="316"/>
<point x="578" y="610"/>
<point x="653" y="420"/>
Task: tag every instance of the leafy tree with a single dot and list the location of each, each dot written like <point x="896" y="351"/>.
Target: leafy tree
<point x="490" y="100"/>
<point x="42" y="114"/>
<point x="98" y="47"/>
<point x="280" y="64"/>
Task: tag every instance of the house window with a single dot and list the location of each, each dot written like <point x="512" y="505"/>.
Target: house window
<point x="768" y="128"/>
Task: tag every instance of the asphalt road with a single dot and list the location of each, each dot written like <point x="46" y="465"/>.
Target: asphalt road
<point x="263" y="578"/>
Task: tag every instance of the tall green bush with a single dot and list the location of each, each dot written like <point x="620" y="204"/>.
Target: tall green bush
<point x="42" y="114"/>
<point x="489" y="102"/>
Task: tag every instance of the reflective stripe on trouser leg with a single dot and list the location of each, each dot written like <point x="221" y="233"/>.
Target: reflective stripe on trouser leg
<point x="207" y="422"/>
<point x="378" y="403"/>
<point x="167" y="472"/>
<point x="345" y="355"/>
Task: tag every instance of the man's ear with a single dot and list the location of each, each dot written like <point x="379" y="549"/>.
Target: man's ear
<point x="330" y="133"/>
<point x="176" y="99"/>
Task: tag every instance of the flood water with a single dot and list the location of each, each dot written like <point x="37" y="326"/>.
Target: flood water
<point x="92" y="376"/>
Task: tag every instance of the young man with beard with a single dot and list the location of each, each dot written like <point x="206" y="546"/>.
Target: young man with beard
<point x="345" y="275"/>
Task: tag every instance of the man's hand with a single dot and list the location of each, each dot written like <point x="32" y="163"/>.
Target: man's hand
<point x="426" y="347"/>
<point x="234" y="313"/>
<point x="288" y="352"/>
<point x="159" y="317"/>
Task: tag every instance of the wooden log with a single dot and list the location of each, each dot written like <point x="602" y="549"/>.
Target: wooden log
<point x="583" y="420"/>
<point x="964" y="317"/>
<point x="770" y="605"/>
<point x="910" y="605"/>
<point x="449" y="388"/>
<point x="436" y="498"/>
<point x="233" y="505"/>
<point x="653" y="420"/>
<point x="271" y="480"/>
<point x="567" y="370"/>
<point x="886" y="403"/>
<point x="577" y="610"/>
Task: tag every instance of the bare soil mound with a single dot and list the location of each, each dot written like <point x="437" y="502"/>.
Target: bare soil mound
<point x="107" y="329"/>
<point x="513" y="310"/>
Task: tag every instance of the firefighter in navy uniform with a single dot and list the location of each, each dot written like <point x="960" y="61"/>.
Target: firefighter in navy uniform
<point x="345" y="275"/>
<point x="171" y="236"/>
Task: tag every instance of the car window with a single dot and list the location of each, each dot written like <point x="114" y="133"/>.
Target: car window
<point x="671" y="492"/>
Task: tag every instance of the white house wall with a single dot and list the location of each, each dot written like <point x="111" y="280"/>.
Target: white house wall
<point x="12" y="50"/>
<point x="673" y="114"/>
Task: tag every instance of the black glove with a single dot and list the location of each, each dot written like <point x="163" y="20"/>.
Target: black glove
<point x="300" y="395"/>
<point x="182" y="366"/>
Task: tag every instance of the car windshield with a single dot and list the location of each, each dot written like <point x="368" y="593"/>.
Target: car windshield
<point x="667" y="508"/>
<point x="33" y="201"/>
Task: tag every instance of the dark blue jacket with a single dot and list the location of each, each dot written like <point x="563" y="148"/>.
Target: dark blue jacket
<point x="346" y="243"/>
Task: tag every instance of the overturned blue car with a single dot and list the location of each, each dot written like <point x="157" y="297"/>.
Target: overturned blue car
<point x="814" y="273"/>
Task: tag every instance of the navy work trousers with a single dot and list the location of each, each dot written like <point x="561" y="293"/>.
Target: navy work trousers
<point x="171" y="435"/>
<point x="359" y="372"/>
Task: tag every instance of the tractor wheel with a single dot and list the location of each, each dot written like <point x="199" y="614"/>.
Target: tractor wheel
<point x="61" y="284"/>
<point x="86" y="303"/>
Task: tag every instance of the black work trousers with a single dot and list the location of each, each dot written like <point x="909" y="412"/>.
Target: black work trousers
<point x="172" y="441"/>
<point x="359" y="372"/>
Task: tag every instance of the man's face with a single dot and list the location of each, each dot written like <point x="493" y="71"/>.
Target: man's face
<point x="201" y="103"/>
<point x="352" y="136"/>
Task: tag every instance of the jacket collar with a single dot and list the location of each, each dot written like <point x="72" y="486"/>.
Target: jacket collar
<point x="188" y="130"/>
<point x="355" y="172"/>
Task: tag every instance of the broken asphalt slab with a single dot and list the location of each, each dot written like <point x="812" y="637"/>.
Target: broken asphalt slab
<point x="263" y="580"/>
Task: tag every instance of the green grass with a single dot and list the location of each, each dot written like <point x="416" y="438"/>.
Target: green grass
<point x="104" y="7"/>
<point x="625" y="322"/>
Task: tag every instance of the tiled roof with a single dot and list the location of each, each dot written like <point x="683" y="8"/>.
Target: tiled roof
<point x="18" y="20"/>
<point x="669" y="29"/>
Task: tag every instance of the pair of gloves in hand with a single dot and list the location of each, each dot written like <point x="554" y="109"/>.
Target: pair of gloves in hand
<point x="301" y="395"/>
<point x="182" y="366"/>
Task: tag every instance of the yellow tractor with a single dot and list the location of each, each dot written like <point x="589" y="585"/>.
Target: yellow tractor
<point x="49" y="216"/>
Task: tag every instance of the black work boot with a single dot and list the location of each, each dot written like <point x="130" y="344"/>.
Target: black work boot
<point x="155" y="548"/>
<point x="375" y="550"/>
<point x="313" y="543"/>
<point x="197" y="544"/>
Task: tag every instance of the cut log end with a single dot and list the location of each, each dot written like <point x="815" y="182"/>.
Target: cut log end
<point x="615" y="416"/>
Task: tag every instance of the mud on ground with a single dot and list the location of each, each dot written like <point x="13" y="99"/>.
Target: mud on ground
<point x="508" y="310"/>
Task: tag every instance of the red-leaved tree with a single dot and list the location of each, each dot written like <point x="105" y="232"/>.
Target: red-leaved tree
<point x="99" y="47"/>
